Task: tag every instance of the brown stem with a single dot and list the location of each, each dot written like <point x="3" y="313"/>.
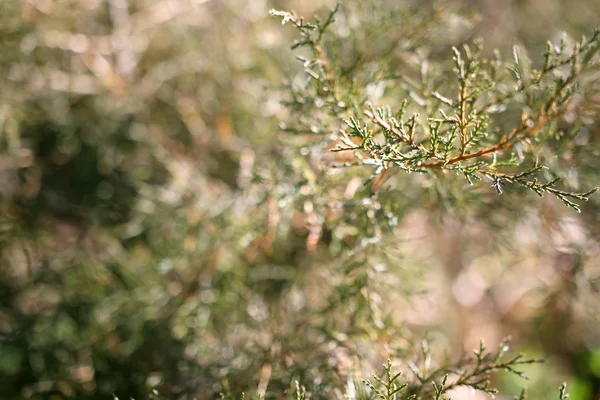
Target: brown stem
<point x="506" y="142"/>
<point x="322" y="57"/>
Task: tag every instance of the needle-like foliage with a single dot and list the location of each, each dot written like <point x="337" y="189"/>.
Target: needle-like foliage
<point x="480" y="117"/>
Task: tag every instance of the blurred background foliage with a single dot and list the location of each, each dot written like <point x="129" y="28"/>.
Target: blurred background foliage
<point x="158" y="230"/>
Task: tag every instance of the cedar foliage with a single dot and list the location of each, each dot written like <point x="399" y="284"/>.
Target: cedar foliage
<point x="189" y="208"/>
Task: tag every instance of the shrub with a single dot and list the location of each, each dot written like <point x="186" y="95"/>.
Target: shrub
<point x="176" y="221"/>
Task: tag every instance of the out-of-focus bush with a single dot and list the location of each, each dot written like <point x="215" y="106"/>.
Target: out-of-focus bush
<point x="160" y="230"/>
<point x="124" y="127"/>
